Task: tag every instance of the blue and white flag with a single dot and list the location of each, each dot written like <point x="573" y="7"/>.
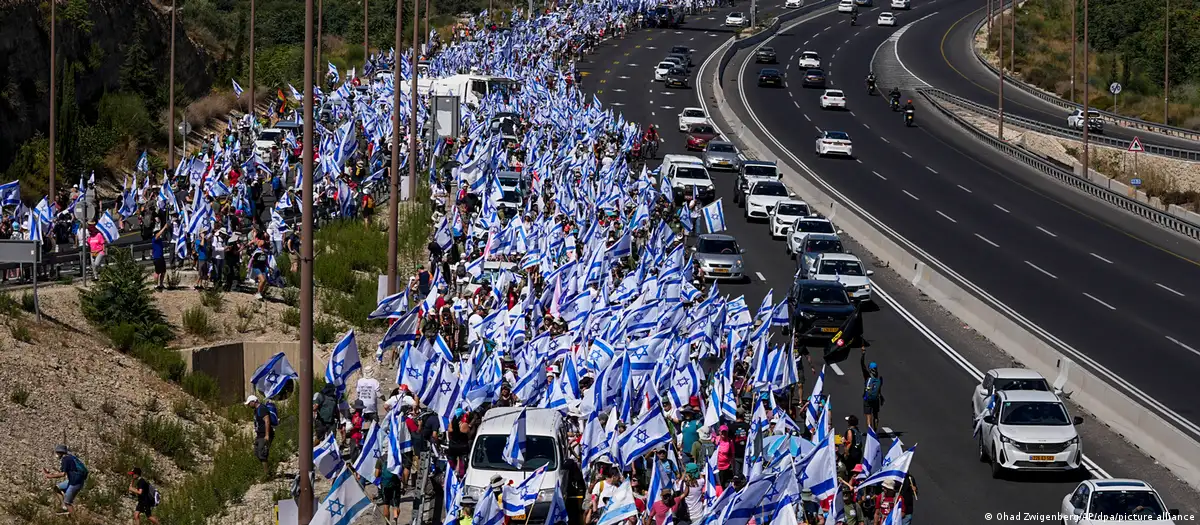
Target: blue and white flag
<point x="344" y="503"/>
<point x="327" y="458"/>
<point x="649" y="432"/>
<point x="372" y="450"/>
<point x="10" y="193"/>
<point x="820" y="474"/>
<point x="391" y="306"/>
<point x="488" y="511"/>
<point x="271" y="376"/>
<point x="714" y="217"/>
<point x="143" y="165"/>
<point x="514" y="447"/>
<point x="452" y="489"/>
<point x="896" y="471"/>
<point x="237" y="88"/>
<point x="620" y="507"/>
<point x="982" y="414"/>
<point x="108" y="227"/>
<point x="558" y="508"/>
<point x="343" y="362"/>
<point x="872" y="457"/>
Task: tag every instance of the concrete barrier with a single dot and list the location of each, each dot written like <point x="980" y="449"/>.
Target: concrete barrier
<point x="233" y="363"/>
<point x="1146" y="429"/>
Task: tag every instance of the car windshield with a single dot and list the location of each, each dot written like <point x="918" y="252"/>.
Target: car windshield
<point x="769" y="72"/>
<point x="489" y="453"/>
<point x="1034" y="413"/>
<point x="1118" y="504"/>
<point x="511" y="197"/>
<point x="721" y="147"/>
<point x="810" y="56"/>
<point x="691" y="173"/>
<point x="791" y="209"/>
<point x="815" y="73"/>
<point x="837" y="135"/>
<point x="770" y="190"/>
<point x="841" y="268"/>
<point x="834" y="94"/>
<point x="823" y="246"/>
<point x="270" y="135"/>
<point x="693" y="113"/>
<point x="814" y="227"/>
<point x="823" y="295"/>
<point x="509" y="182"/>
<point x="717" y="246"/>
<point x="679" y="49"/>
<point x="737" y="15"/>
<point x="666" y="65"/>
<point x="1038" y="385"/>
<point x="767" y="50"/>
<point x="705" y="129"/>
<point x="759" y="170"/>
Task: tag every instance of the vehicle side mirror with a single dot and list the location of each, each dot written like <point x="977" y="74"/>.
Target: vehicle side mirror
<point x="741" y="250"/>
<point x="991" y="420"/>
<point x="1077" y="512"/>
<point x="870" y="273"/>
<point x="839" y="232"/>
<point x="791" y="194"/>
<point x="1078" y="420"/>
<point x="980" y="391"/>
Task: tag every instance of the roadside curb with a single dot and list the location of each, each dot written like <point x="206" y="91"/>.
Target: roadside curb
<point x="1146" y="429"/>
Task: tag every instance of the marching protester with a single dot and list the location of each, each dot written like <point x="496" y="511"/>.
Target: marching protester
<point x="73" y="474"/>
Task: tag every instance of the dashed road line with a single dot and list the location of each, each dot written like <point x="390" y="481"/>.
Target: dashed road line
<point x="931" y="169"/>
<point x="1169" y="289"/>
<point x="878" y="175"/>
<point x="806" y="117"/>
<point x="1101" y="258"/>
<point x="837" y="369"/>
<point x="914" y="197"/>
<point x="947" y="217"/>
<point x="760" y="276"/>
<point x="989" y="241"/>
<point x="886" y="140"/>
<point x="964" y="188"/>
<point x="1092" y="297"/>
<point x="1038" y="268"/>
<point x="1047" y="232"/>
<point x="1185" y="347"/>
<point x="1001" y="208"/>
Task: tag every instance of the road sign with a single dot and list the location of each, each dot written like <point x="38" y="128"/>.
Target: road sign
<point x="1135" y="146"/>
<point x="1114" y="88"/>
<point x="1135" y="182"/>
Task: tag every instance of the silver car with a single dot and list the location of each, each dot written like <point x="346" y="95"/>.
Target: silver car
<point x="719" y="257"/>
<point x="720" y="154"/>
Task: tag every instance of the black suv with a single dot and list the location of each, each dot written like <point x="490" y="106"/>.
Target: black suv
<point x="766" y="55"/>
<point x="677" y="77"/>
<point x="770" y="77"/>
<point x="819" y="309"/>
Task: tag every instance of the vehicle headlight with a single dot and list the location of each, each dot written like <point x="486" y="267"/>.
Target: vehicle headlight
<point x="545" y="495"/>
<point x="806" y="314"/>
<point x="866" y="287"/>
<point x="1073" y="441"/>
<point x="738" y="264"/>
<point x="474" y="492"/>
<point x="1005" y="439"/>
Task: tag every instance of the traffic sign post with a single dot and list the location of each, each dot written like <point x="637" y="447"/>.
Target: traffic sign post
<point x="1135" y="147"/>
<point x="1115" y="89"/>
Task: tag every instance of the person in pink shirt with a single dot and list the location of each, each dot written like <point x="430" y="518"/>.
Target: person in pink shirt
<point x="667" y="505"/>
<point x="724" y="445"/>
<point x="96" y="244"/>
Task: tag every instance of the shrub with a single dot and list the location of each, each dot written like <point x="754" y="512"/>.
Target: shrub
<point x="182" y="409"/>
<point x="121" y="295"/>
<point x="354" y="308"/>
<point x="169" y="437"/>
<point x="20" y="332"/>
<point x="168" y="363"/>
<point x="197" y="322"/>
<point x="290" y="296"/>
<point x="290" y="317"/>
<point x="202" y="386"/>
<point x="8" y="306"/>
<point x="108" y="408"/>
<point x="173" y="280"/>
<point x="19" y="395"/>
<point x="28" y="302"/>
<point x="212" y="298"/>
<point x="325" y="330"/>
<point x="124" y="454"/>
<point x="123" y="336"/>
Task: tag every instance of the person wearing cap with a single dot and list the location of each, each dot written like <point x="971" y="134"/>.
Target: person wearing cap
<point x="667" y="505"/>
<point x="885" y="501"/>
<point x="854" y="511"/>
<point x="852" y="442"/>
<point x="354" y="427"/>
<point x="602" y="492"/>
<point x="76" y="474"/>
<point x="693" y="490"/>
<point x="689" y="432"/>
<point x="264" y="433"/>
<point x="724" y="443"/>
<point x="141" y="488"/>
<point x="872" y="390"/>
<point x="468" y="510"/>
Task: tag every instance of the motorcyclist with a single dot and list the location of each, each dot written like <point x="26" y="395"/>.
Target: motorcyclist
<point x="908" y="106"/>
<point x="853" y="16"/>
<point x="895" y="96"/>
<point x="651" y="134"/>
<point x="871" y="82"/>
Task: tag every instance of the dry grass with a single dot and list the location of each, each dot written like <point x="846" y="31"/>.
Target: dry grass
<point x="212" y="106"/>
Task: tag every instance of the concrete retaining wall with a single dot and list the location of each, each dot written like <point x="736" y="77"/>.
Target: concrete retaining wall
<point x="233" y="363"/>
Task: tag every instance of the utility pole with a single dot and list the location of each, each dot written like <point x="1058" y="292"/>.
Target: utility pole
<point x="305" y="504"/>
<point x="171" y="97"/>
<point x="1074" y="6"/>
<point x="320" y="26"/>
<point x="366" y="31"/>
<point x="1086" y="121"/>
<point x="1000" y="103"/>
<point x="989" y="20"/>
<point x="427" y="21"/>
<point x="394" y="184"/>
<point x="53" y="96"/>
<point x="1167" y="69"/>
<point x="412" y="109"/>
<point x="1012" y="40"/>
<point x="250" y="110"/>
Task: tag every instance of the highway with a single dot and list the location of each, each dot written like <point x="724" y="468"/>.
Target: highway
<point x="954" y="486"/>
<point x="1118" y="293"/>
<point x="950" y="64"/>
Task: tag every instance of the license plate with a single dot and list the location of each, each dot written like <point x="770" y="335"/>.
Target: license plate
<point x="830" y="329"/>
<point x="720" y="270"/>
<point x="1041" y="458"/>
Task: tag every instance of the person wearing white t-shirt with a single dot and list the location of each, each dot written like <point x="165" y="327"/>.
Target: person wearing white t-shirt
<point x="367" y="390"/>
<point x="473" y="325"/>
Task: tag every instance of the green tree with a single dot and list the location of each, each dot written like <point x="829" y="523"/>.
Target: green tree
<point x="67" y="132"/>
<point x="137" y="74"/>
<point x="121" y="296"/>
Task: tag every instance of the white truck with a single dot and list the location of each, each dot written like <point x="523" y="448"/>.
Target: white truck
<point x="470" y="89"/>
<point x="685" y="172"/>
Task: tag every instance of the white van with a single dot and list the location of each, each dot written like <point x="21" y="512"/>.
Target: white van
<point x="546" y="441"/>
<point x="685" y="172"/>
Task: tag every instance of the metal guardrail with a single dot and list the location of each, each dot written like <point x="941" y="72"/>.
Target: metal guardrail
<point x="1037" y="162"/>
<point x="1153" y="149"/>
<point x="1121" y="120"/>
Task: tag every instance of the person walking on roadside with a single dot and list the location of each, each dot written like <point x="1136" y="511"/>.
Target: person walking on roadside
<point x="76" y="474"/>
<point x="264" y="433"/>
<point x="157" y="254"/>
<point x="147" y="497"/>
<point x="872" y="390"/>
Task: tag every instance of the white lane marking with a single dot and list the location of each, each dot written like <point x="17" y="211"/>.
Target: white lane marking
<point x="818" y="34"/>
<point x="1092" y="297"/>
<point x="1001" y="208"/>
<point x="853" y="115"/>
<point x="760" y="276"/>
<point x="989" y="241"/>
<point x="947" y="217"/>
<point x="858" y="161"/>
<point x="912" y="320"/>
<point x="1169" y="289"/>
<point x="837" y="369"/>
<point x="1185" y="347"/>
<point x="964" y="188"/>
<point x="1101" y="258"/>
<point x="796" y="103"/>
<point x="866" y="126"/>
<point x="1047" y="232"/>
<point x="668" y="107"/>
<point x="618" y="104"/>
<point x="790" y="94"/>
<point x="906" y="154"/>
<point x="878" y="175"/>
<point x="618" y="90"/>
<point x="931" y="169"/>
<point x="806" y="117"/>
<point x="815" y="35"/>
<point x="886" y="140"/>
<point x="834" y="55"/>
<point x="914" y="197"/>
<point x="1038" y="268"/>
<point x="847" y="41"/>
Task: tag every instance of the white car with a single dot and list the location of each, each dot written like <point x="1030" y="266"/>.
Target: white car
<point x="736" y="20"/>
<point x="763" y="197"/>
<point x="846" y="6"/>
<point x="1005" y="379"/>
<point x="545" y="433"/>
<point x="1095" y="122"/>
<point x="847" y="269"/>
<point x="662" y="69"/>
<point x="810" y="60"/>
<point x="805" y="226"/>
<point x="793" y="4"/>
<point x="785" y="214"/>
<point x="901" y="4"/>
<point x="834" y="143"/>
<point x="1115" y="502"/>
<point x="266" y="140"/>
<point x="690" y="116"/>
<point x="886" y="19"/>
<point x="1029" y="430"/>
<point x="833" y="98"/>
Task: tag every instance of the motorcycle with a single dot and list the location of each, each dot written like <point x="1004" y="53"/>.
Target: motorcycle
<point x="895" y="103"/>
<point x="853" y="18"/>
<point x="871" y="88"/>
<point x="650" y="149"/>
<point x="908" y="117"/>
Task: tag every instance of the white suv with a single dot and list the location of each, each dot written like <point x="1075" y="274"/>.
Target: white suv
<point x="1111" y="501"/>
<point x="901" y="4"/>
<point x="1029" y="430"/>
<point x="793" y="4"/>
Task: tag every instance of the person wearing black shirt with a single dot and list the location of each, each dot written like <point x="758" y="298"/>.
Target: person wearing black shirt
<point x="263" y="433"/>
<point x="741" y="431"/>
<point x="233" y="264"/>
<point x="258" y="269"/>
<point x="145" y="497"/>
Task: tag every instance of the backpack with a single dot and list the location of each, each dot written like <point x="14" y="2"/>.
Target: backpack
<point x="155" y="496"/>
<point x="274" y="413"/>
<point x="327" y="410"/>
<point x="874" y="384"/>
<point x="368" y="202"/>
<point x="81" y="468"/>
<point x="854" y="455"/>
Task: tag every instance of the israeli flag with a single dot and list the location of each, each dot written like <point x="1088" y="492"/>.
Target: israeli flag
<point x="558" y="508"/>
<point x="714" y="217"/>
<point x="333" y="71"/>
<point x="984" y="413"/>
<point x="391" y="306"/>
<point x="10" y="193"/>
<point x="399" y="441"/>
<point x="896" y="515"/>
<point x="896" y="471"/>
<point x="345" y="503"/>
<point x="143" y="165"/>
<point x="620" y="507"/>
<point x="872" y="453"/>
<point x="343" y="362"/>
<point x="372" y="450"/>
<point x="452" y="489"/>
<point x="237" y="89"/>
<point x="35" y="228"/>
<point x="327" y="458"/>
<point x="488" y="511"/>
<point x="270" y="377"/>
<point x="820" y="474"/>
<point x="108" y="227"/>
<point x="649" y="432"/>
<point x="514" y="447"/>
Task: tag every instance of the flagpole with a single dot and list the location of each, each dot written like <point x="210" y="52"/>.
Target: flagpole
<point x="250" y="104"/>
<point x="305" y="505"/>
<point x="53" y="94"/>
<point x="394" y="183"/>
<point x="170" y="100"/>
<point x="412" y="116"/>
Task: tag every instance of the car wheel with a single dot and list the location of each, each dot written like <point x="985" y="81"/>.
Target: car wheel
<point x="997" y="470"/>
<point x="983" y="456"/>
